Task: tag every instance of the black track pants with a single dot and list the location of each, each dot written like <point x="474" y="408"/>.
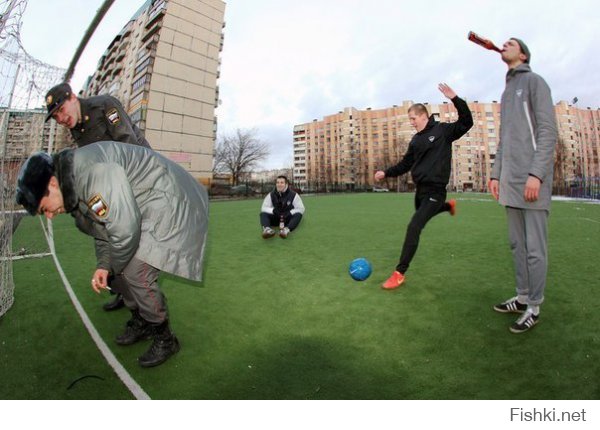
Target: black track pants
<point x="290" y="221"/>
<point x="428" y="203"/>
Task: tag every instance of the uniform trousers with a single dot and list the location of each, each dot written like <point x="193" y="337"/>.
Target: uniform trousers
<point x="139" y="286"/>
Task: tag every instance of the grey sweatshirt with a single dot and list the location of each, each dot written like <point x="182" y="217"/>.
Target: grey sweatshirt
<point x="528" y="135"/>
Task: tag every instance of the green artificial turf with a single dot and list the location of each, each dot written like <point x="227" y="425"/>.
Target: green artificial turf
<point x="281" y="319"/>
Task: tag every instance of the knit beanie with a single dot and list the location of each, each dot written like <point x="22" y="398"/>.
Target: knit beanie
<point x="524" y="49"/>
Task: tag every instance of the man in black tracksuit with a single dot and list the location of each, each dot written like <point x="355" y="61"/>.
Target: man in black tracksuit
<point x="428" y="158"/>
<point x="282" y="207"/>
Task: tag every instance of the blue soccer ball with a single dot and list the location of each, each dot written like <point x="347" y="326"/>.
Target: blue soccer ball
<point x="360" y="269"/>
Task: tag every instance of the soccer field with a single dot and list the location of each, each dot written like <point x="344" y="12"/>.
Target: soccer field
<point x="282" y="319"/>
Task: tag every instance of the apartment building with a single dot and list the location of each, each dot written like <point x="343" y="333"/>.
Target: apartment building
<point x="164" y="66"/>
<point x="348" y="147"/>
<point x="578" y="148"/>
<point x="23" y="132"/>
<point x="474" y="154"/>
<point x="26" y="132"/>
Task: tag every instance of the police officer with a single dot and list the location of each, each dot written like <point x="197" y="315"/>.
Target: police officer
<point x="137" y="233"/>
<point x="92" y="120"/>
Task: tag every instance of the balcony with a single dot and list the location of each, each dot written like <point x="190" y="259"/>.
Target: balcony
<point x="144" y="66"/>
<point x="141" y="84"/>
<point x="105" y="75"/>
<point x="121" y="52"/>
<point x="156" y="13"/>
<point x="117" y="70"/>
<point x="153" y="31"/>
<point x="114" y="41"/>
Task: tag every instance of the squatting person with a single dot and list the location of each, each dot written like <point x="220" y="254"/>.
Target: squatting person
<point x="146" y="215"/>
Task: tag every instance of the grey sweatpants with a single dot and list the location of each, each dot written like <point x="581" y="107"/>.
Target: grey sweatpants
<point x="528" y="236"/>
<point x="139" y="286"/>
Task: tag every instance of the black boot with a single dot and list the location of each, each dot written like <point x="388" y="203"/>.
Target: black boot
<point x="165" y="344"/>
<point x="136" y="329"/>
<point x="117" y="303"/>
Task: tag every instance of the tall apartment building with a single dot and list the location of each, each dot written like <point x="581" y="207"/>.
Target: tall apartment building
<point x="26" y="132"/>
<point x="474" y="154"/>
<point x="23" y="132"/>
<point x="164" y="66"/>
<point x="579" y="130"/>
<point x="348" y="147"/>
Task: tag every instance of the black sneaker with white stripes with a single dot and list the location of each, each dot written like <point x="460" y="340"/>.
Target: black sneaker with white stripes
<point x="511" y="306"/>
<point x="525" y="322"/>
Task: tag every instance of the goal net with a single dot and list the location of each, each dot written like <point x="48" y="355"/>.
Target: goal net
<point x="24" y="81"/>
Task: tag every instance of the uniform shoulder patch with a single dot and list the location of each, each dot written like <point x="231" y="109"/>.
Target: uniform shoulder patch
<point x="98" y="205"/>
<point x="113" y="116"/>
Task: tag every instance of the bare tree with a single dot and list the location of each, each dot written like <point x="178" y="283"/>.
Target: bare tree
<point x="238" y="153"/>
<point x="400" y="146"/>
<point x="392" y="153"/>
<point x="560" y="159"/>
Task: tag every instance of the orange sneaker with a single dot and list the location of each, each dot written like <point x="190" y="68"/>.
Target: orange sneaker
<point x="452" y="204"/>
<point x="393" y="281"/>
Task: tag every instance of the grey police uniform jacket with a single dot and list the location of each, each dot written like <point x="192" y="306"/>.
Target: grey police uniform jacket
<point x="528" y="135"/>
<point x="103" y="118"/>
<point x="135" y="203"/>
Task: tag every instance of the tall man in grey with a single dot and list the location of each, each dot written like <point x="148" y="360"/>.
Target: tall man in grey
<point x="521" y="179"/>
<point x="146" y="215"/>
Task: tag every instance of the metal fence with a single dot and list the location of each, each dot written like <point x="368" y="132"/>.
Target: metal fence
<point x="261" y="188"/>
<point x="584" y="188"/>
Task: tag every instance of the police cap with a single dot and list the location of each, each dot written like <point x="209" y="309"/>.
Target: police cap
<point x="56" y="97"/>
<point x="33" y="180"/>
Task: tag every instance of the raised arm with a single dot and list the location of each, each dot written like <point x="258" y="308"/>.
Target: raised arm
<point x="459" y="128"/>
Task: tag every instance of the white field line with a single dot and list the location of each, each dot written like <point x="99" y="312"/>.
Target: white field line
<point x="121" y="372"/>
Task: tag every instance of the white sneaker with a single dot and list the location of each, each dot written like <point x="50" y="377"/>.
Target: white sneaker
<point x="525" y="322"/>
<point x="511" y="306"/>
<point x="268" y="232"/>
<point x="283" y="233"/>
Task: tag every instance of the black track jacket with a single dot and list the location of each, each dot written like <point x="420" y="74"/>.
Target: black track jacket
<point x="430" y="150"/>
<point x="104" y="118"/>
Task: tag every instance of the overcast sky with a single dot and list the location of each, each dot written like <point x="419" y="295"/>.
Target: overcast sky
<point x="289" y="62"/>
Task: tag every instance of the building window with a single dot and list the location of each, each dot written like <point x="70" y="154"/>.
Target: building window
<point x="140" y="82"/>
<point x="147" y="62"/>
